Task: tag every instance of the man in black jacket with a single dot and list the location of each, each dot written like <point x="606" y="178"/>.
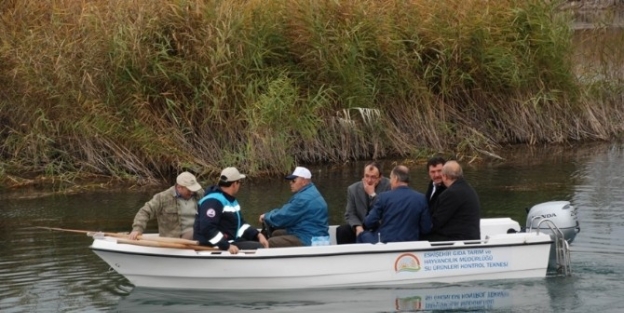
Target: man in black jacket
<point x="219" y="222"/>
<point x="435" y="187"/>
<point x="456" y="213"/>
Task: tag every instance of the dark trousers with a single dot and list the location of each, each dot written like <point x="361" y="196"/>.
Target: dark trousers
<point x="345" y="234"/>
<point x="280" y="238"/>
<point x="248" y="245"/>
<point x="368" y="237"/>
<point x="435" y="237"/>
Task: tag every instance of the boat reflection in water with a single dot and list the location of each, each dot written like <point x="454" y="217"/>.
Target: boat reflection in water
<point x="433" y="298"/>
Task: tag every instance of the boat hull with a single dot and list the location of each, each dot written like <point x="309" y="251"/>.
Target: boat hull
<point x="504" y="256"/>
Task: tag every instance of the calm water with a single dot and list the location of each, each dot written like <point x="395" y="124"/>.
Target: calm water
<point x="42" y="271"/>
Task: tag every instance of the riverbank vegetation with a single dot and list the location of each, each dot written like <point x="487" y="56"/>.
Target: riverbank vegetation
<point x="139" y="90"/>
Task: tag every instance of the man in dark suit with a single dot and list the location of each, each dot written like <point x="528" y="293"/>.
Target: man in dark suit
<point x="360" y="198"/>
<point x="456" y="212"/>
<point x="435" y="188"/>
<point x="399" y="214"/>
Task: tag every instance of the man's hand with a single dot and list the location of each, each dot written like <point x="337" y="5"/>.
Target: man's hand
<point x="187" y="235"/>
<point x="233" y="249"/>
<point x="369" y="189"/>
<point x="358" y="230"/>
<point x="263" y="241"/>
<point x="134" y="235"/>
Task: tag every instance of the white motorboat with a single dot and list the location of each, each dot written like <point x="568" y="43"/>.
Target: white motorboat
<point x="505" y="251"/>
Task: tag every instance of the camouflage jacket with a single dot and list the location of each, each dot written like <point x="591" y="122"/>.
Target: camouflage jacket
<point x="166" y="208"/>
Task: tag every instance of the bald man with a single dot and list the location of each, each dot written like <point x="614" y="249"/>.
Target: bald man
<point x="456" y="213"/>
<point x="400" y="214"/>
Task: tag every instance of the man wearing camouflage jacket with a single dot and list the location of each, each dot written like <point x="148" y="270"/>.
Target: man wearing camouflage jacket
<point x="174" y="209"/>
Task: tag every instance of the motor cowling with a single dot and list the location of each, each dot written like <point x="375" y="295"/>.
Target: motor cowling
<point x="561" y="213"/>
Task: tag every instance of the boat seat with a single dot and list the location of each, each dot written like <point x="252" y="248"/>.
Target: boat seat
<point x="496" y="226"/>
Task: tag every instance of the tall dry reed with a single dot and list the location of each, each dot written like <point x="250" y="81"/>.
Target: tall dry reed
<point x="141" y="89"/>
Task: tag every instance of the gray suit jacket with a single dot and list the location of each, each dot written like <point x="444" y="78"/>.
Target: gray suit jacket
<point x="358" y="202"/>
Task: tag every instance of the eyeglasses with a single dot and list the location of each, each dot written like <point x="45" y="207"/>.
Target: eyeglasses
<point x="292" y="181"/>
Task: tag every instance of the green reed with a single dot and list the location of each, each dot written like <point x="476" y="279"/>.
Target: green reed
<point x="140" y="89"/>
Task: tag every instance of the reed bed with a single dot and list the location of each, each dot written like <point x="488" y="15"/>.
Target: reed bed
<point x="143" y="89"/>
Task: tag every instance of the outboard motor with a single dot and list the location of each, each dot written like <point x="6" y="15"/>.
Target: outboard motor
<point x="561" y="213"/>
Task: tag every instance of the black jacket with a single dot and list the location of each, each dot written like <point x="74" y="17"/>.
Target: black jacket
<point x="456" y="213"/>
<point x="431" y="199"/>
<point x="219" y="221"/>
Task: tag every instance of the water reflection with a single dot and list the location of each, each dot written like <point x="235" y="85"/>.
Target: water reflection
<point x="433" y="298"/>
<point x="602" y="198"/>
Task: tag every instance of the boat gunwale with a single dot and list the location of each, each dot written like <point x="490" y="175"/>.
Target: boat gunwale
<point x="252" y="256"/>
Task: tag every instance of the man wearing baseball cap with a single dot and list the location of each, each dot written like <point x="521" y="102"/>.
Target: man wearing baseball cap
<point x="302" y="218"/>
<point x="174" y="209"/>
<point x="219" y="222"/>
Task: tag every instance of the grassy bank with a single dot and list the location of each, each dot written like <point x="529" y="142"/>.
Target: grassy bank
<point x="142" y="89"/>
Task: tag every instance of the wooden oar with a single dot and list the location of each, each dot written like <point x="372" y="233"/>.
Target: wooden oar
<point x="123" y="235"/>
<point x="150" y="243"/>
<point x="151" y="238"/>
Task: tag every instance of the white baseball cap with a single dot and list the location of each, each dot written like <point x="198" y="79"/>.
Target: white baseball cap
<point x="189" y="181"/>
<point x="300" y="172"/>
<point x="231" y="174"/>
